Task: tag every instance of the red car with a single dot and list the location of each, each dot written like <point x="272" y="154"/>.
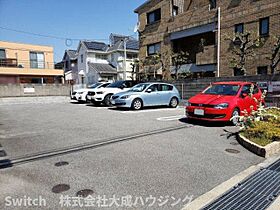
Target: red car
<point x="223" y="100"/>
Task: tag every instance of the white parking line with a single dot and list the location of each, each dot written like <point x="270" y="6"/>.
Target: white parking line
<point x="150" y="110"/>
<point x="170" y="118"/>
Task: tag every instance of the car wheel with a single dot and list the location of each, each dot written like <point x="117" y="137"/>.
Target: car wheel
<point x="107" y="101"/>
<point x="235" y="113"/>
<point x="173" y="102"/>
<point x="137" y="104"/>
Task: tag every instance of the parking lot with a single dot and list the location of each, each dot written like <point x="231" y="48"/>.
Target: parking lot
<point x="148" y="153"/>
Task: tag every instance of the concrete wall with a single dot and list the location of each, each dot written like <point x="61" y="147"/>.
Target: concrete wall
<point x="16" y="90"/>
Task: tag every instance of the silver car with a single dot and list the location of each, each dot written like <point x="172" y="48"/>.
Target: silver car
<point x="147" y="94"/>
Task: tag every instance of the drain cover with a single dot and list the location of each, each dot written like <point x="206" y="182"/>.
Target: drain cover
<point x="232" y="151"/>
<point x="3" y="153"/>
<point x="234" y="143"/>
<point x="61" y="163"/>
<point x="84" y="193"/>
<point x="60" y="188"/>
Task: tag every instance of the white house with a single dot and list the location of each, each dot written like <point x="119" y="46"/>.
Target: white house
<point x="99" y="61"/>
<point x="70" y="66"/>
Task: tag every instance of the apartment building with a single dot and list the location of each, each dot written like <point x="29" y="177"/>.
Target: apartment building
<point x="27" y="63"/>
<point x="203" y="29"/>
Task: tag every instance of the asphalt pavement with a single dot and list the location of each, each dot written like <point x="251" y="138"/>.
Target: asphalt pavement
<point x="148" y="159"/>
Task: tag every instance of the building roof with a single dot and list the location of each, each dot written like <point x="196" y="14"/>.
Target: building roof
<point x="142" y="5"/>
<point x="131" y="44"/>
<point x="114" y="38"/>
<point x="102" y="68"/>
<point x="72" y="54"/>
<point x="93" y="45"/>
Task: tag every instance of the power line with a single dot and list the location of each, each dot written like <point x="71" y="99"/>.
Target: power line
<point x="45" y="35"/>
<point x="66" y="39"/>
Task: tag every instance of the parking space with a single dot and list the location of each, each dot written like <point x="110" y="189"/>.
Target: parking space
<point x="151" y="152"/>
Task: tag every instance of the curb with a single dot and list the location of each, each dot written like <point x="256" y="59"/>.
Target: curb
<point x="263" y="151"/>
<point x="219" y="190"/>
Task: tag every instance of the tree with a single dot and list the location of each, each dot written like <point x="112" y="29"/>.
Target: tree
<point x="135" y="66"/>
<point x="243" y="47"/>
<point x="275" y="56"/>
<point x="153" y="60"/>
<point x="178" y="59"/>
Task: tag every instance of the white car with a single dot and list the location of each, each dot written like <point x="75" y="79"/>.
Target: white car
<point x="104" y="95"/>
<point x="81" y="94"/>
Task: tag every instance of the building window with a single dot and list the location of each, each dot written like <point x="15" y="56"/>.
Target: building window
<point x="154" y="16"/>
<point x="177" y="7"/>
<point x="37" y="60"/>
<point x="82" y="58"/>
<point x="175" y="10"/>
<point x="153" y="49"/>
<point x="262" y="70"/>
<point x="212" y="4"/>
<point x="264" y="27"/>
<point x="2" y="54"/>
<point x="239" y="28"/>
<point x="101" y="56"/>
<point x="132" y="55"/>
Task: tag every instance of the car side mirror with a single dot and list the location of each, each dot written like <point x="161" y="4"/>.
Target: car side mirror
<point x="149" y="91"/>
<point x="244" y="95"/>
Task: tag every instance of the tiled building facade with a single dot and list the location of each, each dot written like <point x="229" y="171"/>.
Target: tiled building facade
<point x="168" y="26"/>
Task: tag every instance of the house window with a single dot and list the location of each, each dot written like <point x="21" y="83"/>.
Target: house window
<point x="239" y="28"/>
<point x="37" y="60"/>
<point x="131" y="55"/>
<point x="264" y="27"/>
<point x="101" y="56"/>
<point x="262" y="70"/>
<point x="153" y="49"/>
<point x="2" y="54"/>
<point x="82" y="58"/>
<point x="212" y="4"/>
<point x="153" y="16"/>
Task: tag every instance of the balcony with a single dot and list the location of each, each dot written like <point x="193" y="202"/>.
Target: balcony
<point x="8" y="62"/>
<point x="12" y="66"/>
<point x="208" y="56"/>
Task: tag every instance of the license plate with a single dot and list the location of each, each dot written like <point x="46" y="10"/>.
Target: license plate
<point x="199" y="112"/>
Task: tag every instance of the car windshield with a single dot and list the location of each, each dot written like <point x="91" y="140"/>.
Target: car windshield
<point x="139" y="88"/>
<point x="222" y="89"/>
<point x="117" y="84"/>
<point x="95" y="85"/>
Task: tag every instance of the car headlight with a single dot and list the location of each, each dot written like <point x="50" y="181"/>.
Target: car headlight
<point x="221" y="106"/>
<point x="187" y="103"/>
<point x="125" y="97"/>
<point x="101" y="92"/>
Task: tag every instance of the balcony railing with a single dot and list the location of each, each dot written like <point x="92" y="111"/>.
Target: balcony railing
<point x="15" y="63"/>
<point x="8" y="62"/>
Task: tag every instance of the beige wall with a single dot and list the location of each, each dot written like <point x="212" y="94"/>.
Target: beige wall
<point x="21" y="52"/>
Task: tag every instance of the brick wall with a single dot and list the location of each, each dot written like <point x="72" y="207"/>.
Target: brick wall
<point x="197" y="13"/>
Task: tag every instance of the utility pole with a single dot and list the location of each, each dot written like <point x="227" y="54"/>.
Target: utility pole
<point x="124" y="67"/>
<point x="219" y="42"/>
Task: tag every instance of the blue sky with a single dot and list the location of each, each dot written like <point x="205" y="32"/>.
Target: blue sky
<point x="76" y="19"/>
